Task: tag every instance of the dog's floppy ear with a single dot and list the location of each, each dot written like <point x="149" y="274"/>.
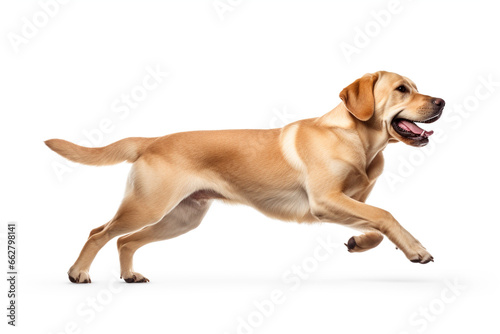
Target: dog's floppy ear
<point x="358" y="97"/>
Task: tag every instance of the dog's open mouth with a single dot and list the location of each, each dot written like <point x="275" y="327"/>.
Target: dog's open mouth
<point x="409" y="129"/>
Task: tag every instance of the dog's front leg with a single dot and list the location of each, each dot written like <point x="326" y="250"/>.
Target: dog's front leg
<point x="339" y="208"/>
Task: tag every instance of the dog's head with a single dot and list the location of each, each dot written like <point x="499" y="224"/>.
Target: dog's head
<point x="389" y="102"/>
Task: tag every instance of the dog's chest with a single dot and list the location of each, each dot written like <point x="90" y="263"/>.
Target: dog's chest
<point x="356" y="185"/>
<point x="359" y="183"/>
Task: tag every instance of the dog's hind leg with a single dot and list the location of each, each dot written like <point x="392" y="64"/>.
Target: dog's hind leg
<point x="130" y="217"/>
<point x="97" y="230"/>
<point x="149" y="197"/>
<point x="186" y="216"/>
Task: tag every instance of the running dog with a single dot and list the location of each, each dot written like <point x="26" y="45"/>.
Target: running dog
<point x="313" y="170"/>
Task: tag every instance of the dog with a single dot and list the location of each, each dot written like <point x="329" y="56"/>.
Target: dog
<point x="313" y="170"/>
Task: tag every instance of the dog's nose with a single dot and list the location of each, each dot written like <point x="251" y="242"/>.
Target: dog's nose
<point x="439" y="102"/>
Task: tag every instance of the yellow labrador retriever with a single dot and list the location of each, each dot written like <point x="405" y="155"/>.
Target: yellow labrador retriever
<point x="318" y="169"/>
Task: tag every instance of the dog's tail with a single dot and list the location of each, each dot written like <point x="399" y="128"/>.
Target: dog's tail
<point x="128" y="149"/>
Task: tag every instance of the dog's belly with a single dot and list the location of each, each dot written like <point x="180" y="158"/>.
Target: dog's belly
<point x="284" y="205"/>
<point x="289" y="205"/>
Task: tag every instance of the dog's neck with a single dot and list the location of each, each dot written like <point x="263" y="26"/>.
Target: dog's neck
<point x="372" y="133"/>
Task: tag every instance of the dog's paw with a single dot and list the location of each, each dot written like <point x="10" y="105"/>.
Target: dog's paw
<point x="351" y="245"/>
<point x="420" y="255"/>
<point x="79" y="276"/>
<point x="364" y="242"/>
<point x="133" y="277"/>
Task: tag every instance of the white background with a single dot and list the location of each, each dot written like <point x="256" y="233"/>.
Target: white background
<point x="260" y="64"/>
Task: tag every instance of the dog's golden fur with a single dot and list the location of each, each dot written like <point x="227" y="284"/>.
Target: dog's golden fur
<point x="319" y="169"/>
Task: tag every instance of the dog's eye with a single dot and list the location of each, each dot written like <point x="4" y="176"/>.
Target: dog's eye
<point x="402" y="89"/>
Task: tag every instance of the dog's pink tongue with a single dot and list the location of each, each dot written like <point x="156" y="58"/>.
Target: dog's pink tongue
<point x="412" y="127"/>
